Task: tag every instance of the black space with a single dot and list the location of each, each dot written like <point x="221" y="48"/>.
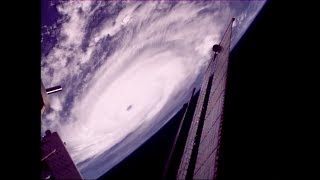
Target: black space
<point x="20" y="65"/>
<point x="251" y="139"/>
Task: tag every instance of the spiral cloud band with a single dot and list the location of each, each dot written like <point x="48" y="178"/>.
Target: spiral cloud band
<point x="126" y="68"/>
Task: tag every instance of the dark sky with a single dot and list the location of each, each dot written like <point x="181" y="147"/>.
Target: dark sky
<point x="251" y="138"/>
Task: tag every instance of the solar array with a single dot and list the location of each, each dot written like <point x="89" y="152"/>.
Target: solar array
<point x="201" y="152"/>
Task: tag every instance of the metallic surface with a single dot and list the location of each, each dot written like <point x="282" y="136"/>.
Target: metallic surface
<point x="177" y="137"/>
<point x="199" y="159"/>
<point x="56" y="162"/>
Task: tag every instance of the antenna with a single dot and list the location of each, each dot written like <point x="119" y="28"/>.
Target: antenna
<point x="216" y="48"/>
<point x="53" y="89"/>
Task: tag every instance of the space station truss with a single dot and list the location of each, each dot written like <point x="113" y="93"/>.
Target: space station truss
<point x="201" y="151"/>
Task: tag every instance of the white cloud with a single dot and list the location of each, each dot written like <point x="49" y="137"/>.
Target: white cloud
<point x="55" y="103"/>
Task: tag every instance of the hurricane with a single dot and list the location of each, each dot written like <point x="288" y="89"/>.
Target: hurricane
<point x="126" y="68"/>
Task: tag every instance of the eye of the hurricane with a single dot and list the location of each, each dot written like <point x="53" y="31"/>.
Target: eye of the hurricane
<point x="129" y="107"/>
